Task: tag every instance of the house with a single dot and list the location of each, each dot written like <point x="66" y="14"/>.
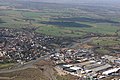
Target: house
<point x="117" y="61"/>
<point x="108" y="72"/>
<point x="101" y="68"/>
<point x="63" y="67"/>
<point x="1" y="54"/>
<point x="74" y="69"/>
<point x="94" y="65"/>
<point x="110" y="58"/>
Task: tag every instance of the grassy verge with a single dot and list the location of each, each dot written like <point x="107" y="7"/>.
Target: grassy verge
<point x="5" y="65"/>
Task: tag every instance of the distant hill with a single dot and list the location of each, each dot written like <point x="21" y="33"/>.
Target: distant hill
<point x="72" y="1"/>
<point x="77" y="1"/>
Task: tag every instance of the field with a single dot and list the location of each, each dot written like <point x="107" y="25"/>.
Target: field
<point x="105" y="45"/>
<point x="64" y="20"/>
<point x="6" y="65"/>
<point x="104" y="41"/>
<point x="57" y="29"/>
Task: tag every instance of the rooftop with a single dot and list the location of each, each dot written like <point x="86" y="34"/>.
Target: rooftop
<point x="111" y="71"/>
<point x="75" y="68"/>
<point x="106" y="66"/>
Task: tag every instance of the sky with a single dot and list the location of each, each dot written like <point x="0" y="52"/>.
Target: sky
<point x="80" y="1"/>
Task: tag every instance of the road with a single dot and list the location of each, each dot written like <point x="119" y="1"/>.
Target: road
<point x="31" y="63"/>
<point x="24" y="66"/>
<point x="82" y="41"/>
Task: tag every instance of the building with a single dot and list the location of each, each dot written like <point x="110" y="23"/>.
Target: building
<point x="101" y="68"/>
<point x="108" y="72"/>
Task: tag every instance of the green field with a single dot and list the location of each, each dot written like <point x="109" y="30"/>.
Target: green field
<point x="5" y="65"/>
<point x="19" y="19"/>
<point x="15" y="20"/>
<point x="105" y="41"/>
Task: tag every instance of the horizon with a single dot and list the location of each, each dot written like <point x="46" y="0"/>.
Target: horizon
<point x="77" y="1"/>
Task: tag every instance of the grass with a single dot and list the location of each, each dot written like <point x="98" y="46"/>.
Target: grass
<point x="105" y="42"/>
<point x="102" y="51"/>
<point x="57" y="31"/>
<point x="102" y="28"/>
<point x="14" y="19"/>
<point x="6" y="65"/>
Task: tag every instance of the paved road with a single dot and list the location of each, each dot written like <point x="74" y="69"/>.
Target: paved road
<point x="25" y="66"/>
<point x="86" y="40"/>
<point x="31" y="63"/>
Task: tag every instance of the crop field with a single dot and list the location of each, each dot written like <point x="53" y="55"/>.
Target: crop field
<point x="104" y="41"/>
<point x="60" y="21"/>
<point x="18" y="19"/>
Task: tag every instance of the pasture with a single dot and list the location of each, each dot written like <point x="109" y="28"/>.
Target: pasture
<point x="71" y="27"/>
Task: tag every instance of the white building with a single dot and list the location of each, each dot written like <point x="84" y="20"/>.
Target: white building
<point x="111" y="71"/>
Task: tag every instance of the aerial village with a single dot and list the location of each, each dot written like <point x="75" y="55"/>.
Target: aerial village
<point x="21" y="46"/>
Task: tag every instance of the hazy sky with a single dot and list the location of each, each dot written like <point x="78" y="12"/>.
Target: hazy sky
<point x="80" y="1"/>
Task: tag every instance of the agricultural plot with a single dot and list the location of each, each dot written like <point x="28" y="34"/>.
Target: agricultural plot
<point x="66" y="24"/>
<point x="62" y="20"/>
<point x="105" y="41"/>
<point x="85" y="19"/>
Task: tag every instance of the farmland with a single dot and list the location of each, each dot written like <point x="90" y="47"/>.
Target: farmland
<point x="16" y="19"/>
<point x="64" y="19"/>
<point x="106" y="42"/>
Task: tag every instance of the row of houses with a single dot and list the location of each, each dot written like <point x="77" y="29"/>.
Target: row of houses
<point x="23" y="45"/>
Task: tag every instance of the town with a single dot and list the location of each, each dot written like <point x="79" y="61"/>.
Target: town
<point x="84" y="64"/>
<point x="24" y="45"/>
